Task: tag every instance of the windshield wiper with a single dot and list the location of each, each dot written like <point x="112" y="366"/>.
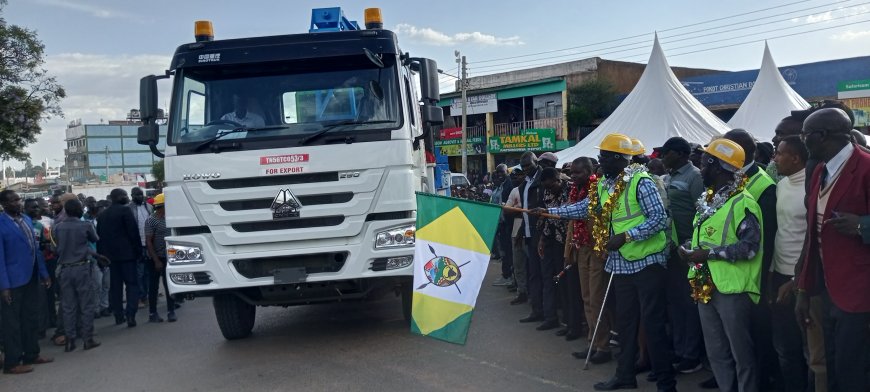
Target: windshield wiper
<point x="335" y="126"/>
<point x="207" y="142"/>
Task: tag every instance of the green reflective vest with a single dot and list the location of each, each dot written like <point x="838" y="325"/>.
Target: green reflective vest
<point x="756" y="184"/>
<point x="627" y="214"/>
<point x="741" y="276"/>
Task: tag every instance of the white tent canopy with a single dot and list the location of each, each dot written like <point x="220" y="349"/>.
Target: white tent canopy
<point x="658" y="108"/>
<point x="770" y="100"/>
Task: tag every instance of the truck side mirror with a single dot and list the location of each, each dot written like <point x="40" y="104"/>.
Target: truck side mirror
<point x="149" y="132"/>
<point x="429" y="94"/>
<point x="148" y="98"/>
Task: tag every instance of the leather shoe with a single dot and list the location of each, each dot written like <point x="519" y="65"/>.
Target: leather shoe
<point x="20" y="369"/>
<point x="131" y="322"/>
<point x="651" y="377"/>
<point x="562" y="332"/>
<point x="572" y="336"/>
<point x="91" y="343"/>
<point x="548" y="325"/>
<point x="70" y="345"/>
<point x="120" y="320"/>
<point x="532" y="318"/>
<point x="614" y="384"/>
<point x="520" y="299"/>
<point x="40" y="361"/>
<point x="581" y="355"/>
<point x="600" y="357"/>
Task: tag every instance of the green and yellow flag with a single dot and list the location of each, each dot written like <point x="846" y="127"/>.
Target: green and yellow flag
<point x="453" y="242"/>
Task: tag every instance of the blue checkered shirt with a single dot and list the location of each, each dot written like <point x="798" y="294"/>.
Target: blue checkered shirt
<point x="656" y="220"/>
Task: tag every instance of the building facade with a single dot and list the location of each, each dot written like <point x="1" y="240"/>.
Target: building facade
<point x="101" y="151"/>
<point x="510" y="113"/>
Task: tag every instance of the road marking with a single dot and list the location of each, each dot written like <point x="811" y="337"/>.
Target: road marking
<point x="511" y="371"/>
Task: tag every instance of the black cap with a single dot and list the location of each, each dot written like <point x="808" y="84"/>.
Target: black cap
<point x="677" y="144"/>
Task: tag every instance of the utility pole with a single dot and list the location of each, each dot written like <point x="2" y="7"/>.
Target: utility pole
<point x="107" y="164"/>
<point x="463" y="83"/>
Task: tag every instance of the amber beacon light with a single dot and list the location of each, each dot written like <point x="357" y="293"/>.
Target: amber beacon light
<point x="203" y="31"/>
<point x="374" y="19"/>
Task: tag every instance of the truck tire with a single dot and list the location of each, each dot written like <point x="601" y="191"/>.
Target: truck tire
<point x="407" y="290"/>
<point x="234" y="316"/>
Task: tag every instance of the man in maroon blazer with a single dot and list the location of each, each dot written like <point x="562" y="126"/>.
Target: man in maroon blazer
<point x="837" y="264"/>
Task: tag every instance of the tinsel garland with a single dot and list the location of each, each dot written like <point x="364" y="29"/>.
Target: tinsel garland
<point x="600" y="221"/>
<point x="707" y="205"/>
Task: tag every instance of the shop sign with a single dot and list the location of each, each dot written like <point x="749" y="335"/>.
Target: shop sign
<point x="452" y="142"/>
<point x="853" y="89"/>
<point x="455" y="150"/>
<point x="542" y="139"/>
<point x="477" y="104"/>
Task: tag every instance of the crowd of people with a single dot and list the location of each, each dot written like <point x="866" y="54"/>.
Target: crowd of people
<point x="70" y="260"/>
<point x="749" y="257"/>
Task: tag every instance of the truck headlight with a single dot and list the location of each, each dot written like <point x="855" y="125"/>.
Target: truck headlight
<point x="396" y="237"/>
<point x="183" y="254"/>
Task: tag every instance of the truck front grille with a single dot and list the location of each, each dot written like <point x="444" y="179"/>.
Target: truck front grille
<point x="273" y="180"/>
<point x="313" y="264"/>
<point x="298" y="223"/>
<point x="307" y="200"/>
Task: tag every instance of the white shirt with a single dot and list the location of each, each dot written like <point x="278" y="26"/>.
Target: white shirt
<point x="514" y="201"/>
<point x="835" y="165"/>
<point x="251" y="120"/>
<point x="791" y="215"/>
<point x="141" y="217"/>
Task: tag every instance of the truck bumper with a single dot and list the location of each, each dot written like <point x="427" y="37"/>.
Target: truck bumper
<point x="331" y="262"/>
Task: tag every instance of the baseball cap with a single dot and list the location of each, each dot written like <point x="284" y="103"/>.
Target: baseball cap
<point x="677" y="144"/>
<point x="549" y="156"/>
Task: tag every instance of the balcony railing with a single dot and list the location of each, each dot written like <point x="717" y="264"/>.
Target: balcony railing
<point x="516" y="128"/>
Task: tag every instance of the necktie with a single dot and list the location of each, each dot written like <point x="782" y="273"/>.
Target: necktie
<point x="824" y="176"/>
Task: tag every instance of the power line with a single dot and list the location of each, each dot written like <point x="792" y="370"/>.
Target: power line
<point x="645" y="46"/>
<point x="664" y="39"/>
<point x="664" y="30"/>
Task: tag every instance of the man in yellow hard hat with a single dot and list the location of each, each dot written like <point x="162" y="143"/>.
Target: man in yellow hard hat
<point x="724" y="256"/>
<point x="628" y="224"/>
<point x="155" y="242"/>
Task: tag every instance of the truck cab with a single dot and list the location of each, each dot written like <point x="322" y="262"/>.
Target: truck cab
<point x="291" y="166"/>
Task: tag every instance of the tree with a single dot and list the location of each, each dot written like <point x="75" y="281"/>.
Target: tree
<point x="28" y="95"/>
<point x="157" y="171"/>
<point x="28" y="168"/>
<point x="587" y="102"/>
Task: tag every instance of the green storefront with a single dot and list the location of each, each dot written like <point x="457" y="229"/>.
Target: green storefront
<point x="509" y="148"/>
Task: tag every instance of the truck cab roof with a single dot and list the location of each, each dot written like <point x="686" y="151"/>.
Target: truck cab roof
<point x="284" y="48"/>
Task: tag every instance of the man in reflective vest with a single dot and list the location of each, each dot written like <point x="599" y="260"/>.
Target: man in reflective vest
<point x="629" y="223"/>
<point x="725" y="266"/>
<point x="763" y="189"/>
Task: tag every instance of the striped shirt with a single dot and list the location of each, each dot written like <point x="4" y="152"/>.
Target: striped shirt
<point x="156" y="227"/>
<point x="656" y="221"/>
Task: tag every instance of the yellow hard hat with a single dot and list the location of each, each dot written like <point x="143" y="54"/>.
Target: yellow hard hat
<point x="618" y="143"/>
<point x="638" y="147"/>
<point x="159" y="200"/>
<point x="728" y="152"/>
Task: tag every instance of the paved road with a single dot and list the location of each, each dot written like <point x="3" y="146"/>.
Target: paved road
<point x="340" y="347"/>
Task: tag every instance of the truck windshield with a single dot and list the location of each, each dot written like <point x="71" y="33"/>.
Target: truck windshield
<point x="284" y="101"/>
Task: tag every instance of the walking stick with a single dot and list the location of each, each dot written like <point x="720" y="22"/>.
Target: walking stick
<point x="597" y="323"/>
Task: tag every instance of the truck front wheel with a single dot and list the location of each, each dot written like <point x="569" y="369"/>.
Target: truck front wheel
<point x="234" y="316"/>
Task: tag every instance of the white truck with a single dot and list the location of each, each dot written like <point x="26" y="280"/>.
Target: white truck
<point x="291" y="165"/>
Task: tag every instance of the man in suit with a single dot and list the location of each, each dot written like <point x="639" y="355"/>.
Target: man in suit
<point x="21" y="270"/>
<point x="120" y="242"/>
<point x="837" y="262"/>
<point x="530" y="198"/>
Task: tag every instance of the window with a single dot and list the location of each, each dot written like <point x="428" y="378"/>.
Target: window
<point x="131" y="144"/>
<point x="99" y="159"/>
<point x="411" y="104"/>
<point x="103" y="130"/>
<point x="100" y="144"/>
<point x="138" y="158"/>
<point x="129" y="130"/>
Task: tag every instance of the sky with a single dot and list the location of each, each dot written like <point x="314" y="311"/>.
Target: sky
<point x="99" y="49"/>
